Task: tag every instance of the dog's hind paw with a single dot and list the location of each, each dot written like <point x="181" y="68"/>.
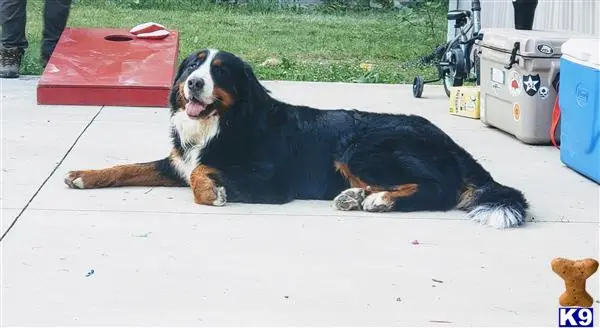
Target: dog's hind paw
<point x="377" y="202"/>
<point x="349" y="199"/>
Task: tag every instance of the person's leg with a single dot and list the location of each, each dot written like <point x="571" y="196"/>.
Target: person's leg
<point x="12" y="41"/>
<point x="13" y="17"/>
<point x="56" y="14"/>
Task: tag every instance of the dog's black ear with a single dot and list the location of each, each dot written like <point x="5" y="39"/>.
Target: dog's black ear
<point x="255" y="86"/>
<point x="182" y="68"/>
<point x="174" y="85"/>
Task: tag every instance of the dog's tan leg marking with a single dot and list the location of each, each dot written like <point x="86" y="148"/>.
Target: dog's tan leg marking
<point x="142" y="174"/>
<point x="355" y="182"/>
<point x="205" y="190"/>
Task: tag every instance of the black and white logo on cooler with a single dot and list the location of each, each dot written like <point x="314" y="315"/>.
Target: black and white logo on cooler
<point x="531" y="84"/>
<point x="544" y="92"/>
<point x="545" y="49"/>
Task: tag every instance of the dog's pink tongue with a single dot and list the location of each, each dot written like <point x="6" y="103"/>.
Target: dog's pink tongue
<point x="193" y="108"/>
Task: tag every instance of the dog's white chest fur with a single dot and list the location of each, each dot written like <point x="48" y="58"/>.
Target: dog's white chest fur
<point x="194" y="135"/>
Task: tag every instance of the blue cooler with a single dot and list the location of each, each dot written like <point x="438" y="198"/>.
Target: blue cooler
<point x="579" y="102"/>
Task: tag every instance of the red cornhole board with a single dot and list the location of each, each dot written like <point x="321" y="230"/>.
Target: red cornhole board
<point x="100" y="66"/>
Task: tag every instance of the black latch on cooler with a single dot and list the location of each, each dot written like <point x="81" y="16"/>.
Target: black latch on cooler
<point x="513" y="56"/>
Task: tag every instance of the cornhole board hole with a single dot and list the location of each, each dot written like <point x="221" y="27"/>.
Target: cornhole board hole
<point x="100" y="66"/>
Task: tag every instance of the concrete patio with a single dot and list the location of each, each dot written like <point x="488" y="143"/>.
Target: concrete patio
<point x="159" y="259"/>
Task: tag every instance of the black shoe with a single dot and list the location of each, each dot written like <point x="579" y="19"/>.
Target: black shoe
<point x="10" y="62"/>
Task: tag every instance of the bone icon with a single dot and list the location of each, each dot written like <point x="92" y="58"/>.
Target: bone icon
<point x="575" y="274"/>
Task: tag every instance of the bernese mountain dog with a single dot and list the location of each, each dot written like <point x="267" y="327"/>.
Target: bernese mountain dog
<point x="232" y="141"/>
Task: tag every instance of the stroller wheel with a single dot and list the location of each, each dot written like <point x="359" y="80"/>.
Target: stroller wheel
<point x="418" y="85"/>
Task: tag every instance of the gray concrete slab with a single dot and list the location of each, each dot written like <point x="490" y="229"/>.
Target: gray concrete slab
<point x="7" y="216"/>
<point x="34" y="139"/>
<point x="160" y="259"/>
<point x="217" y="269"/>
<point x="20" y="105"/>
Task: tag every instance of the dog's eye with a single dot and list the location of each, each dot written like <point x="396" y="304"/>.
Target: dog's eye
<point x="193" y="66"/>
<point x="218" y="70"/>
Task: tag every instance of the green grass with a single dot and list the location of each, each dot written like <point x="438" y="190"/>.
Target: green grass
<point x="311" y="45"/>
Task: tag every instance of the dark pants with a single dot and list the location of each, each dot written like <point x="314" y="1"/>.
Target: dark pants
<point x="13" y="18"/>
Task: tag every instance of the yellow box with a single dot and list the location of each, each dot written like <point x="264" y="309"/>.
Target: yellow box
<point x="464" y="101"/>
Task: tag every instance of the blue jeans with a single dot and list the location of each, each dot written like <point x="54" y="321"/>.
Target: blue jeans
<point x="13" y="15"/>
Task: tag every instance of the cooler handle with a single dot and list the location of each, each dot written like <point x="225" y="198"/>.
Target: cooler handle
<point x="513" y="56"/>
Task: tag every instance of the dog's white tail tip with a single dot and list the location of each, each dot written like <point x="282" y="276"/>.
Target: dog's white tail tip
<point x="499" y="217"/>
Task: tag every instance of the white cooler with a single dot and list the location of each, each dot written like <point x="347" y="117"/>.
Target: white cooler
<point x="517" y="71"/>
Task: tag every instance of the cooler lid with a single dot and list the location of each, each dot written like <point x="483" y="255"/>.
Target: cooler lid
<point x="533" y="43"/>
<point x="584" y="50"/>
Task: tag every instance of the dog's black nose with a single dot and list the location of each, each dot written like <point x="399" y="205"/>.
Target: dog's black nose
<point x="195" y="84"/>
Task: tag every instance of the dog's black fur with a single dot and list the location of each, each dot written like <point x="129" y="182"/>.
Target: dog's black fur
<point x="269" y="151"/>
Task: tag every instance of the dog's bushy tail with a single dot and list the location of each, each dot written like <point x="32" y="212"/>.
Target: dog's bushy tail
<point x="495" y="205"/>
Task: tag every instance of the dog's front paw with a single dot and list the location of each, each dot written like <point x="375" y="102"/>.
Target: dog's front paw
<point x="210" y="195"/>
<point x="221" y="196"/>
<point x="75" y="179"/>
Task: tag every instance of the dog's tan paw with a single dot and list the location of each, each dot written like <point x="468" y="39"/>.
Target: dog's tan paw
<point x="212" y="195"/>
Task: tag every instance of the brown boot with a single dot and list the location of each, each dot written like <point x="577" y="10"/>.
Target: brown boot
<point x="10" y="62"/>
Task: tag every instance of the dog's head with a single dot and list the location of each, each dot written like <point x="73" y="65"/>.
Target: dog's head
<point x="213" y="83"/>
